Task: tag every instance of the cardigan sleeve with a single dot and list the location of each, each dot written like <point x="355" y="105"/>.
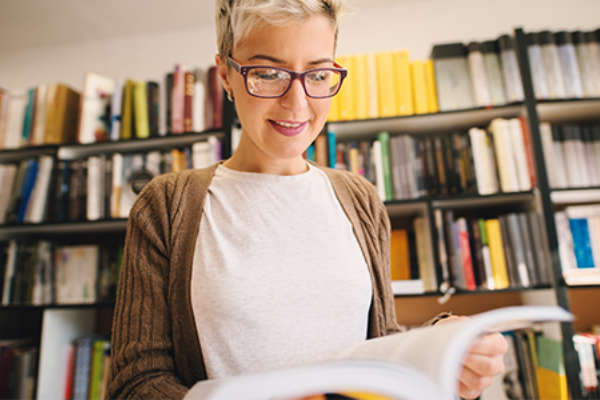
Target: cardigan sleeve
<point x="142" y="346"/>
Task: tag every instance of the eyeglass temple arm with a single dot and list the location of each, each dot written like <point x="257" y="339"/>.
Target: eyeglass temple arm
<point x="235" y="65"/>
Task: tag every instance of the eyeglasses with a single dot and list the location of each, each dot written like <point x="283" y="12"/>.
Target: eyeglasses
<point x="269" y="82"/>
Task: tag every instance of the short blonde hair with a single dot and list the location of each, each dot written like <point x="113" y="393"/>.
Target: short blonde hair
<point x="236" y="18"/>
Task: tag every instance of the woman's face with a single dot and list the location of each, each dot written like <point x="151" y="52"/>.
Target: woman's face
<point x="298" y="47"/>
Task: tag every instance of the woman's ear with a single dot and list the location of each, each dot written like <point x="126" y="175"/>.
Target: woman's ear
<point x="222" y="72"/>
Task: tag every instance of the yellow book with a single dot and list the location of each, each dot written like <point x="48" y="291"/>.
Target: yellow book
<point x="550" y="369"/>
<point x="140" y="104"/>
<point x="127" y="110"/>
<point x="373" y="97"/>
<point x="399" y="256"/>
<point x="346" y="96"/>
<point x="402" y="85"/>
<point x="419" y="87"/>
<point x="499" y="272"/>
<point x="430" y="87"/>
<point x="551" y="385"/>
<point x="385" y="85"/>
<point x="353" y="156"/>
<point x="361" y="86"/>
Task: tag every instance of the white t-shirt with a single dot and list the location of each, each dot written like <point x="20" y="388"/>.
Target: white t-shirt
<point x="278" y="277"/>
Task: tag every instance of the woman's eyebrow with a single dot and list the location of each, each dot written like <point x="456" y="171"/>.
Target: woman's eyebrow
<point x="278" y="61"/>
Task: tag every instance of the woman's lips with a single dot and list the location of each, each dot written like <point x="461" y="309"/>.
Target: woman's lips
<point x="291" y="128"/>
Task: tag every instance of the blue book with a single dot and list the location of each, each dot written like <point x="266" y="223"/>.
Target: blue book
<point x="27" y="188"/>
<point x="581" y="242"/>
<point x="310" y="153"/>
<point x="28" y="121"/>
<point x="331" y="149"/>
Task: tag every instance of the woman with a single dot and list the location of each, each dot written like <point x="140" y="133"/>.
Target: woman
<point x="263" y="261"/>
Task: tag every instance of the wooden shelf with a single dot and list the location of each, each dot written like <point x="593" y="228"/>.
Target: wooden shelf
<point x="575" y="195"/>
<point x="76" y="151"/>
<point x="470" y="201"/>
<point x="29" y="307"/>
<point x="62" y="228"/>
<point x="16" y="155"/>
<point x="461" y="292"/>
<point x="424" y="123"/>
<point x="569" y="110"/>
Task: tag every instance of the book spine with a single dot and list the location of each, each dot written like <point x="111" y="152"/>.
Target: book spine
<point x="187" y="102"/>
<point x="466" y="254"/>
<point x="177" y="100"/>
<point x="384" y="140"/>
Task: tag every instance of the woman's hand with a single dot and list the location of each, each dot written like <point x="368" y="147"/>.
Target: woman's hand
<point x="484" y="360"/>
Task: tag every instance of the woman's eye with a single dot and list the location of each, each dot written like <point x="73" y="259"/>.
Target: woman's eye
<point x="318" y="76"/>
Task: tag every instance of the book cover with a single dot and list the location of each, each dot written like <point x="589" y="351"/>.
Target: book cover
<point x="402" y="83"/>
<point x="509" y="253"/>
<point x="153" y="103"/>
<point x="75" y="274"/>
<point x="361" y="86"/>
<point x="498" y="260"/>
<point x="28" y="121"/>
<point x="385" y="87"/>
<point x="178" y="100"/>
<point x="39" y="116"/>
<point x="399" y="255"/>
<point x="528" y="247"/>
<point x="198" y="100"/>
<point x="384" y="140"/>
<point x="189" y="85"/>
<point x="419" y="87"/>
<point x="140" y="110"/>
<point x="95" y="116"/>
<point x="127" y="111"/>
<point x="348" y="90"/>
<point x="467" y="261"/>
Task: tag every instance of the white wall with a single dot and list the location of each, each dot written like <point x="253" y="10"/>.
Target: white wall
<point x="413" y="25"/>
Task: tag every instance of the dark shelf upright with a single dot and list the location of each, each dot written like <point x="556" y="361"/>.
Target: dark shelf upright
<point x="571" y="359"/>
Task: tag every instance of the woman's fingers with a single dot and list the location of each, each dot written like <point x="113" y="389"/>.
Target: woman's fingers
<point x="490" y="345"/>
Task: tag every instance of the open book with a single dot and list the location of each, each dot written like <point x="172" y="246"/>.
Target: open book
<point x="423" y="363"/>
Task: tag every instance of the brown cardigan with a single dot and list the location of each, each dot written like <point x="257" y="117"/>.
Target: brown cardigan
<point x="155" y="348"/>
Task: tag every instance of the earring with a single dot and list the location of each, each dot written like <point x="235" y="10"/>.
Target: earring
<point x="229" y="96"/>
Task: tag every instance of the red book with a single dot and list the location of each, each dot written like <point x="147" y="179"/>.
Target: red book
<point x="70" y="372"/>
<point x="190" y="80"/>
<point x="465" y="250"/>
<point x="215" y="100"/>
<point x="177" y="100"/>
<point x="528" y="150"/>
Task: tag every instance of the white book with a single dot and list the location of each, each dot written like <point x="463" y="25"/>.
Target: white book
<point x="198" y="100"/>
<point x="36" y="208"/>
<point x="556" y="85"/>
<point x="594" y="227"/>
<point x="408" y="286"/>
<point x="483" y="162"/>
<point x="378" y="164"/>
<point x="565" y="242"/>
<point x="576" y="176"/>
<point x="95" y="187"/>
<point x="15" y="119"/>
<point x="422" y="363"/>
<point x="478" y="78"/>
<point x="96" y="95"/>
<point x="75" y="274"/>
<point x="201" y="154"/>
<point x="562" y="180"/>
<point x="409" y="151"/>
<point x="548" y="150"/>
<point x="424" y="254"/>
<point x="153" y="159"/>
<point x="509" y="182"/>
<point x="115" y="111"/>
<point x="7" y="176"/>
<point x="117" y="185"/>
<point x="39" y="119"/>
<point x="9" y="272"/>
<point x="518" y="151"/>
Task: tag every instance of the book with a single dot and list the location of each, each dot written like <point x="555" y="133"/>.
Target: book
<point x="94" y="119"/>
<point x="422" y="363"/>
<point x="399" y="255"/>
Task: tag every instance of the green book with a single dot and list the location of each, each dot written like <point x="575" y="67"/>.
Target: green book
<point x="384" y="139"/>
<point x="28" y="120"/>
<point x="97" y="366"/>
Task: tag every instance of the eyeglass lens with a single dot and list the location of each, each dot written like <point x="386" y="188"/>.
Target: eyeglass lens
<point x="274" y="82"/>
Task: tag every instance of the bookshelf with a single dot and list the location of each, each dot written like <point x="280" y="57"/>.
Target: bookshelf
<point x="413" y="309"/>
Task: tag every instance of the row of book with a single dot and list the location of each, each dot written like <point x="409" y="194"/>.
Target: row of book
<point x="18" y="369"/>
<point x="478" y="74"/>
<point x="587" y="345"/>
<point x="189" y="100"/>
<point x="88" y="369"/>
<point x="578" y="229"/>
<point x="407" y="167"/>
<point x="571" y="154"/>
<point x="411" y="259"/>
<point x="534" y="369"/>
<point x="498" y="252"/>
<point x="43" y="272"/>
<point x="45" y="189"/>
<point x="565" y="64"/>
<point x="382" y="85"/>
